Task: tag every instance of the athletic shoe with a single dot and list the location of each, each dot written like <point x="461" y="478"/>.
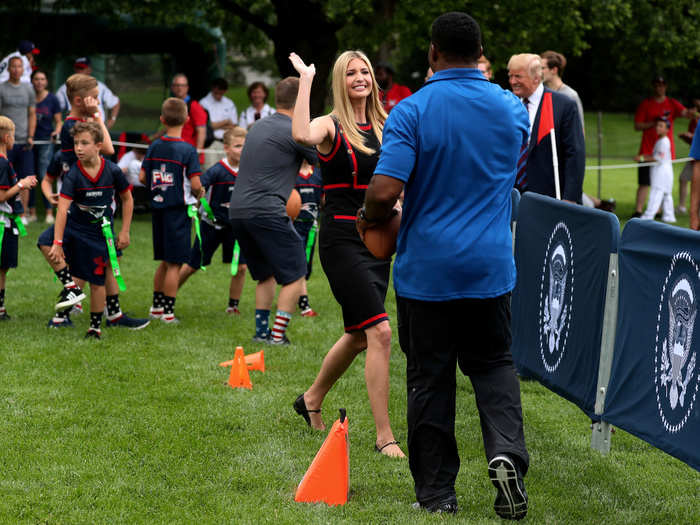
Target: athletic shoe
<point x="92" y="334"/>
<point x="284" y="341"/>
<point x="511" y="500"/>
<point x="447" y="506"/>
<point x="233" y="310"/>
<point x="4" y="316"/>
<point x="155" y="313"/>
<point x="170" y="319"/>
<point x="69" y="297"/>
<point x="133" y="323"/>
<point x="308" y="312"/>
<point x="261" y="339"/>
<point x="49" y="219"/>
<point x="77" y="309"/>
<point x="31" y="218"/>
<point x="60" y="322"/>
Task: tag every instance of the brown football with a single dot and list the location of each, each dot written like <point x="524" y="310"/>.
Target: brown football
<point x="294" y="204"/>
<point x="381" y="240"/>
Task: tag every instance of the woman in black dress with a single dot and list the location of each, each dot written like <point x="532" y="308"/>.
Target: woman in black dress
<point x="348" y="141"/>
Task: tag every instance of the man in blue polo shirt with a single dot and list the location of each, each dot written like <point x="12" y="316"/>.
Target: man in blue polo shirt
<point x="453" y="147"/>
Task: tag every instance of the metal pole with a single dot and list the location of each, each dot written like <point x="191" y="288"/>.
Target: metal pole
<point x="600" y="152"/>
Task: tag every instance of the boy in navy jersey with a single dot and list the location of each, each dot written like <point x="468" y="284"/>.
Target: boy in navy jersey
<point x="171" y="171"/>
<point x="218" y="182"/>
<point x="10" y="208"/>
<point x="310" y="188"/>
<point x="84" y="211"/>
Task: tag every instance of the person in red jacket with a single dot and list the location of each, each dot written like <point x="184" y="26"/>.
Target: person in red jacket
<point x="391" y="93"/>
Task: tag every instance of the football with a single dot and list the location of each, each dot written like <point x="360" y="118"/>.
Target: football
<point x="294" y="204"/>
<point x="381" y="239"/>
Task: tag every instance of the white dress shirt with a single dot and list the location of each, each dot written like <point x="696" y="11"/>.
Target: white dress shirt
<point x="534" y="104"/>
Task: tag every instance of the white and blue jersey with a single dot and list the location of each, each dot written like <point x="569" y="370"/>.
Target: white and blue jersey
<point x="169" y="165"/>
<point x="91" y="198"/>
<point x="219" y="181"/>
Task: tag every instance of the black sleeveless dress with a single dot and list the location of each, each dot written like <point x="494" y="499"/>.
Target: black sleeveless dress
<point x="358" y="281"/>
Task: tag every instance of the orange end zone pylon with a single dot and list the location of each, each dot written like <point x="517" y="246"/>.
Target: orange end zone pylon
<point x="327" y="479"/>
<point x="239" y="377"/>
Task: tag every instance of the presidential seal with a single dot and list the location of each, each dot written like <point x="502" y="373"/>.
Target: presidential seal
<point x="556" y="289"/>
<point x="675" y="376"/>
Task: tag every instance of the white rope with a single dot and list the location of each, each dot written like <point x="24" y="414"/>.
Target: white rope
<point x="132" y="145"/>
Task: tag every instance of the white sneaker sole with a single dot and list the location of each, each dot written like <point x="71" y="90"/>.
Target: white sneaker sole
<point x="512" y="504"/>
<point x="70" y="302"/>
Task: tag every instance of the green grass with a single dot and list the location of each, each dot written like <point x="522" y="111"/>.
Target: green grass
<point x="141" y="428"/>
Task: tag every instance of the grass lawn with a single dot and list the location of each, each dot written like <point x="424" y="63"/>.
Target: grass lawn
<point x="140" y="427"/>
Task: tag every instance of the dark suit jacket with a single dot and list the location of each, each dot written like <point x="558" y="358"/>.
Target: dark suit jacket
<point x="571" y="151"/>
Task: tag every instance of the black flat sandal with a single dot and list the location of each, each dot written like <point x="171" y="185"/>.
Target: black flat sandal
<point x="379" y="449"/>
<point x="300" y="407"/>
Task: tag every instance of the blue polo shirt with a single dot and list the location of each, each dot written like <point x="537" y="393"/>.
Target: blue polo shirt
<point x="455" y="143"/>
<point x="695" y="146"/>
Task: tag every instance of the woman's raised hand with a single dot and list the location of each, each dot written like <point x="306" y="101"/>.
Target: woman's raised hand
<point x="302" y="69"/>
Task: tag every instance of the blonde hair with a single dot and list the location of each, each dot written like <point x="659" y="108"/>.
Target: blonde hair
<point x="342" y="108"/>
<point x="233" y="133"/>
<point x="529" y="62"/>
<point x="7" y="127"/>
<point x="78" y="85"/>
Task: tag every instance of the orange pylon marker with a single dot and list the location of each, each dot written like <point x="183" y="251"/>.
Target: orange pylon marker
<point x="256" y="361"/>
<point x="239" y="377"/>
<point x="327" y="479"/>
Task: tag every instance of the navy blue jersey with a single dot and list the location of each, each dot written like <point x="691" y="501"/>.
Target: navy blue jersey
<point x="68" y="156"/>
<point x="55" y="168"/>
<point x="92" y="198"/>
<point x="169" y="164"/>
<point x="8" y="178"/>
<point x="310" y="187"/>
<point x="219" y="181"/>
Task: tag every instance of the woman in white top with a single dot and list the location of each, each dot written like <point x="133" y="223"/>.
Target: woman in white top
<point x="257" y="93"/>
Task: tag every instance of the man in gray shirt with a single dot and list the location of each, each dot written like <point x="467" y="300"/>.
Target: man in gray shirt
<point x="18" y="103"/>
<point x="273" y="249"/>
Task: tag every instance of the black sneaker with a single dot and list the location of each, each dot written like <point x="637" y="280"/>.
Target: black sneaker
<point x="92" y="334"/>
<point x="133" y="323"/>
<point x="69" y="297"/>
<point x="4" y="316"/>
<point x="447" y="506"/>
<point x="511" y="500"/>
<point x="261" y="338"/>
<point x="284" y="341"/>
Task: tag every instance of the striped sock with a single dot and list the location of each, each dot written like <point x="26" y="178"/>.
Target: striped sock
<point x="280" y="327"/>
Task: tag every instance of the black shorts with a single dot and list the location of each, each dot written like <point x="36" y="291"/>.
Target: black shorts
<point x="171" y="235"/>
<point x="10" y="246"/>
<point x="86" y="254"/>
<point x="211" y="239"/>
<point x="303" y="228"/>
<point x="643" y="175"/>
<point x="272" y="248"/>
<point x="46" y="238"/>
<point x="358" y="281"/>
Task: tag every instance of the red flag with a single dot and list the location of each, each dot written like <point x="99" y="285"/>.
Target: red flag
<point x="546" y="117"/>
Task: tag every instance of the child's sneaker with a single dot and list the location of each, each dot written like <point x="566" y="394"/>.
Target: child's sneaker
<point x="77" y="309"/>
<point x="92" y="333"/>
<point x="69" y="297"/>
<point x="4" y="316"/>
<point x="170" y="319"/>
<point x="155" y="313"/>
<point x="233" y="310"/>
<point x="60" y="322"/>
<point x="132" y="323"/>
<point x="308" y="312"/>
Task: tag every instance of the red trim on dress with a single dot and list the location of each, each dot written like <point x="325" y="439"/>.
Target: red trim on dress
<point x="378" y="317"/>
<point x="336" y="147"/>
<point x="336" y="186"/>
<point x="345" y="217"/>
<point x="99" y="173"/>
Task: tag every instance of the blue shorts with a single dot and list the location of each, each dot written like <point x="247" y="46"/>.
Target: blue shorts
<point x="86" y="252"/>
<point x="10" y="245"/>
<point x="171" y="235"/>
<point x="46" y="238"/>
<point x="211" y="239"/>
<point x="22" y="160"/>
<point x="303" y="228"/>
<point x="272" y="247"/>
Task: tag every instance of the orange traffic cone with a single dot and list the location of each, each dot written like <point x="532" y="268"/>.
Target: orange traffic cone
<point x="239" y="377"/>
<point x="327" y="479"/>
<point x="256" y="361"/>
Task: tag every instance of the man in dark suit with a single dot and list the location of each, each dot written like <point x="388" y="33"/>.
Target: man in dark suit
<point x="535" y="170"/>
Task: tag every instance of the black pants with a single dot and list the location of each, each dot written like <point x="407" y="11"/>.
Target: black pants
<point x="436" y="336"/>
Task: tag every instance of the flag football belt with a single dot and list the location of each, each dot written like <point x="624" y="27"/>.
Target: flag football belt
<point x="310" y="241"/>
<point x="192" y="214"/>
<point x="112" y="251"/>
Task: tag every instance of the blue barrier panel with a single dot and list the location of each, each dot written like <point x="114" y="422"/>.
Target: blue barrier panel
<point x="515" y="203"/>
<point x="562" y="252"/>
<point x="653" y="389"/>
